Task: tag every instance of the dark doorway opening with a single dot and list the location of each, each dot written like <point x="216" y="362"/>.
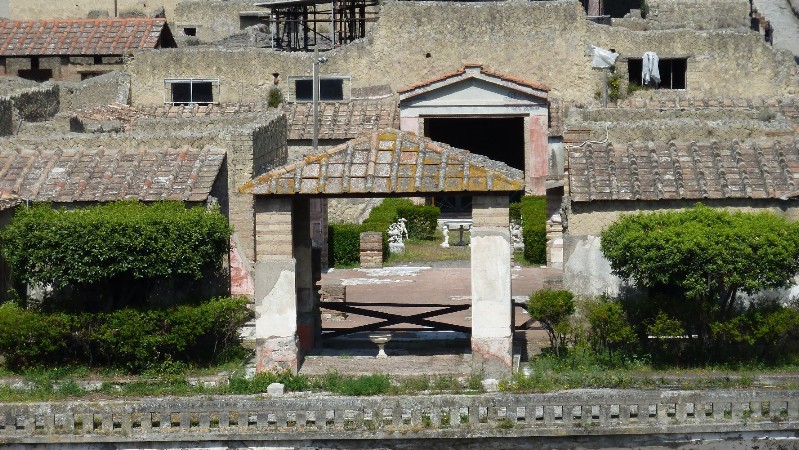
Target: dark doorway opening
<point x="498" y="138"/>
<point x="39" y="75"/>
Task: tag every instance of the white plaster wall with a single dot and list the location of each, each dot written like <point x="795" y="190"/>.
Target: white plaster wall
<point x="491" y="295"/>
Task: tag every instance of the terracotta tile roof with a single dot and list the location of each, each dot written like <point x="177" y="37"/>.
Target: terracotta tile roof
<point x="341" y="120"/>
<point x="117" y="112"/>
<point x="8" y="201"/>
<point x="649" y="171"/>
<point x="100" y="174"/>
<point x="386" y="162"/>
<point x="82" y="36"/>
<point x="469" y="70"/>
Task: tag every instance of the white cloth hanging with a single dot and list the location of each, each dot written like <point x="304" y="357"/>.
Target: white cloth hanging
<point x="649" y="69"/>
<point x="602" y="58"/>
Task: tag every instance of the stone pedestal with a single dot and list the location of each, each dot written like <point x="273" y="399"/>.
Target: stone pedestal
<point x="492" y="307"/>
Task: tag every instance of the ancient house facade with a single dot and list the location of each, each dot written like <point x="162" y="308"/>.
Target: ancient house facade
<point x="74" y="50"/>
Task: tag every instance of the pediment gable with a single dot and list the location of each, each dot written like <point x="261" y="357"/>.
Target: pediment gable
<point x="473" y="86"/>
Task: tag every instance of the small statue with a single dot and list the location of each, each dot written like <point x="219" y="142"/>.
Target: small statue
<point x="445" y="230"/>
<point x="516" y="236"/>
<point x="397" y="232"/>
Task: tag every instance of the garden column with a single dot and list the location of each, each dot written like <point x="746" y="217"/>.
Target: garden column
<point x="492" y="327"/>
<point x="275" y="286"/>
<point x="308" y="317"/>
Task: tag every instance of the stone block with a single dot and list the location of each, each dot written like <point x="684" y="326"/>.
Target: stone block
<point x="275" y="389"/>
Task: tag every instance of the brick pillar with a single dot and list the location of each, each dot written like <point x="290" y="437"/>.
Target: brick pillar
<point x="276" y="342"/>
<point x="308" y="319"/>
<point x="492" y="307"/>
<point x="371" y="250"/>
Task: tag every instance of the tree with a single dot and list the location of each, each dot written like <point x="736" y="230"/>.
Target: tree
<point x="552" y="309"/>
<point x="113" y="254"/>
<point x="701" y="259"/>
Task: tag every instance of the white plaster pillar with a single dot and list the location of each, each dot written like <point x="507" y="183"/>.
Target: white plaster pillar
<point x="492" y="306"/>
<point x="276" y="341"/>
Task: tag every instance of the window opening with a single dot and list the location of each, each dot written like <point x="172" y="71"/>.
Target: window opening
<point x="672" y="72"/>
<point x="330" y="89"/>
<point x="190" y="31"/>
<point x="191" y="91"/>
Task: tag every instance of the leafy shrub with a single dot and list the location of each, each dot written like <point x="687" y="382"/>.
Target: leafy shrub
<point x="422" y="220"/>
<point x="385" y="214"/>
<point x="274" y="97"/>
<point x="30" y="339"/>
<point x="114" y="253"/>
<point x="128" y="338"/>
<point x="553" y="309"/>
<point x="609" y="328"/>
<point x="261" y="381"/>
<point x="531" y="212"/>
<point x="694" y="263"/>
<point x="768" y="330"/>
<point x="344" y="241"/>
<point x="363" y="385"/>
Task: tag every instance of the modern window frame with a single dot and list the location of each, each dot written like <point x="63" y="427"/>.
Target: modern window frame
<point x="346" y="88"/>
<point x="170" y="82"/>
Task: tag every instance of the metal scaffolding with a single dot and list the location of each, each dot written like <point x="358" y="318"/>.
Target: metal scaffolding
<point x="305" y="25"/>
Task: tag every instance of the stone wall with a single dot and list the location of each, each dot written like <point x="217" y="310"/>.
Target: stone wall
<point x="35" y="104"/>
<point x="81" y="9"/>
<point x="584" y="414"/>
<point x="212" y="20"/>
<point x="543" y="42"/>
<point x="669" y="14"/>
<point x="113" y="87"/>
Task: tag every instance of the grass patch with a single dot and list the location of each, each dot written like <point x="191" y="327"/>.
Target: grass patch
<point x="429" y="251"/>
<point x="357" y="386"/>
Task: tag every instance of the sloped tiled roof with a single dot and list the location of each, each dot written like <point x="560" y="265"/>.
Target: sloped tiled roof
<point x="650" y="171"/>
<point x="472" y="70"/>
<point x="100" y="174"/>
<point x="82" y="36"/>
<point x="341" y="120"/>
<point x="385" y="162"/>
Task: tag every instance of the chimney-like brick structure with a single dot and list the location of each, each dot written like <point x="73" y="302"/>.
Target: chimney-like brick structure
<point x="371" y="250"/>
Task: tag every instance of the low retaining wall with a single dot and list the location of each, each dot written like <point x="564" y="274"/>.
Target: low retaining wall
<point x="256" y="418"/>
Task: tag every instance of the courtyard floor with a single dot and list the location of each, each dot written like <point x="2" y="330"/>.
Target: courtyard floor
<point x="410" y="290"/>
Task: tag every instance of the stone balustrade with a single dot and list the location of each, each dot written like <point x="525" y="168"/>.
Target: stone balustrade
<point x="579" y="412"/>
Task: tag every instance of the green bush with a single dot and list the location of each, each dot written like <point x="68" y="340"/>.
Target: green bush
<point x="422" y="220"/>
<point x="274" y="97"/>
<point x="553" y="310"/>
<point x="385" y="214"/>
<point x="344" y="241"/>
<point x="114" y="254"/>
<point x="261" y="381"/>
<point x="609" y="327"/>
<point x="131" y="339"/>
<point x="30" y="339"/>
<point x="531" y="212"/>
<point x="363" y="385"/>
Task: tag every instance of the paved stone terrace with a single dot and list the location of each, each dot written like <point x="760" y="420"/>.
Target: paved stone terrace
<point x="414" y="350"/>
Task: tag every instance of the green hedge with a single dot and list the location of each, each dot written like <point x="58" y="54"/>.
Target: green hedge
<point x="344" y="244"/>
<point x="422" y="220"/>
<point x="130" y="339"/>
<point x="385" y="214"/>
<point x="115" y="252"/>
<point x="532" y="213"/>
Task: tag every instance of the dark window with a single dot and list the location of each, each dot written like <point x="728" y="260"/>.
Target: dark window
<point x="36" y="74"/>
<point x="87" y="75"/>
<point x="98" y="59"/>
<point x="672" y="72"/>
<point x="192" y="92"/>
<point x="330" y="89"/>
<point x="190" y="31"/>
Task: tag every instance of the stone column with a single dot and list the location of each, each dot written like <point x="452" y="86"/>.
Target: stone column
<point x="308" y="319"/>
<point x="492" y="306"/>
<point x="536" y="160"/>
<point x="276" y="343"/>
